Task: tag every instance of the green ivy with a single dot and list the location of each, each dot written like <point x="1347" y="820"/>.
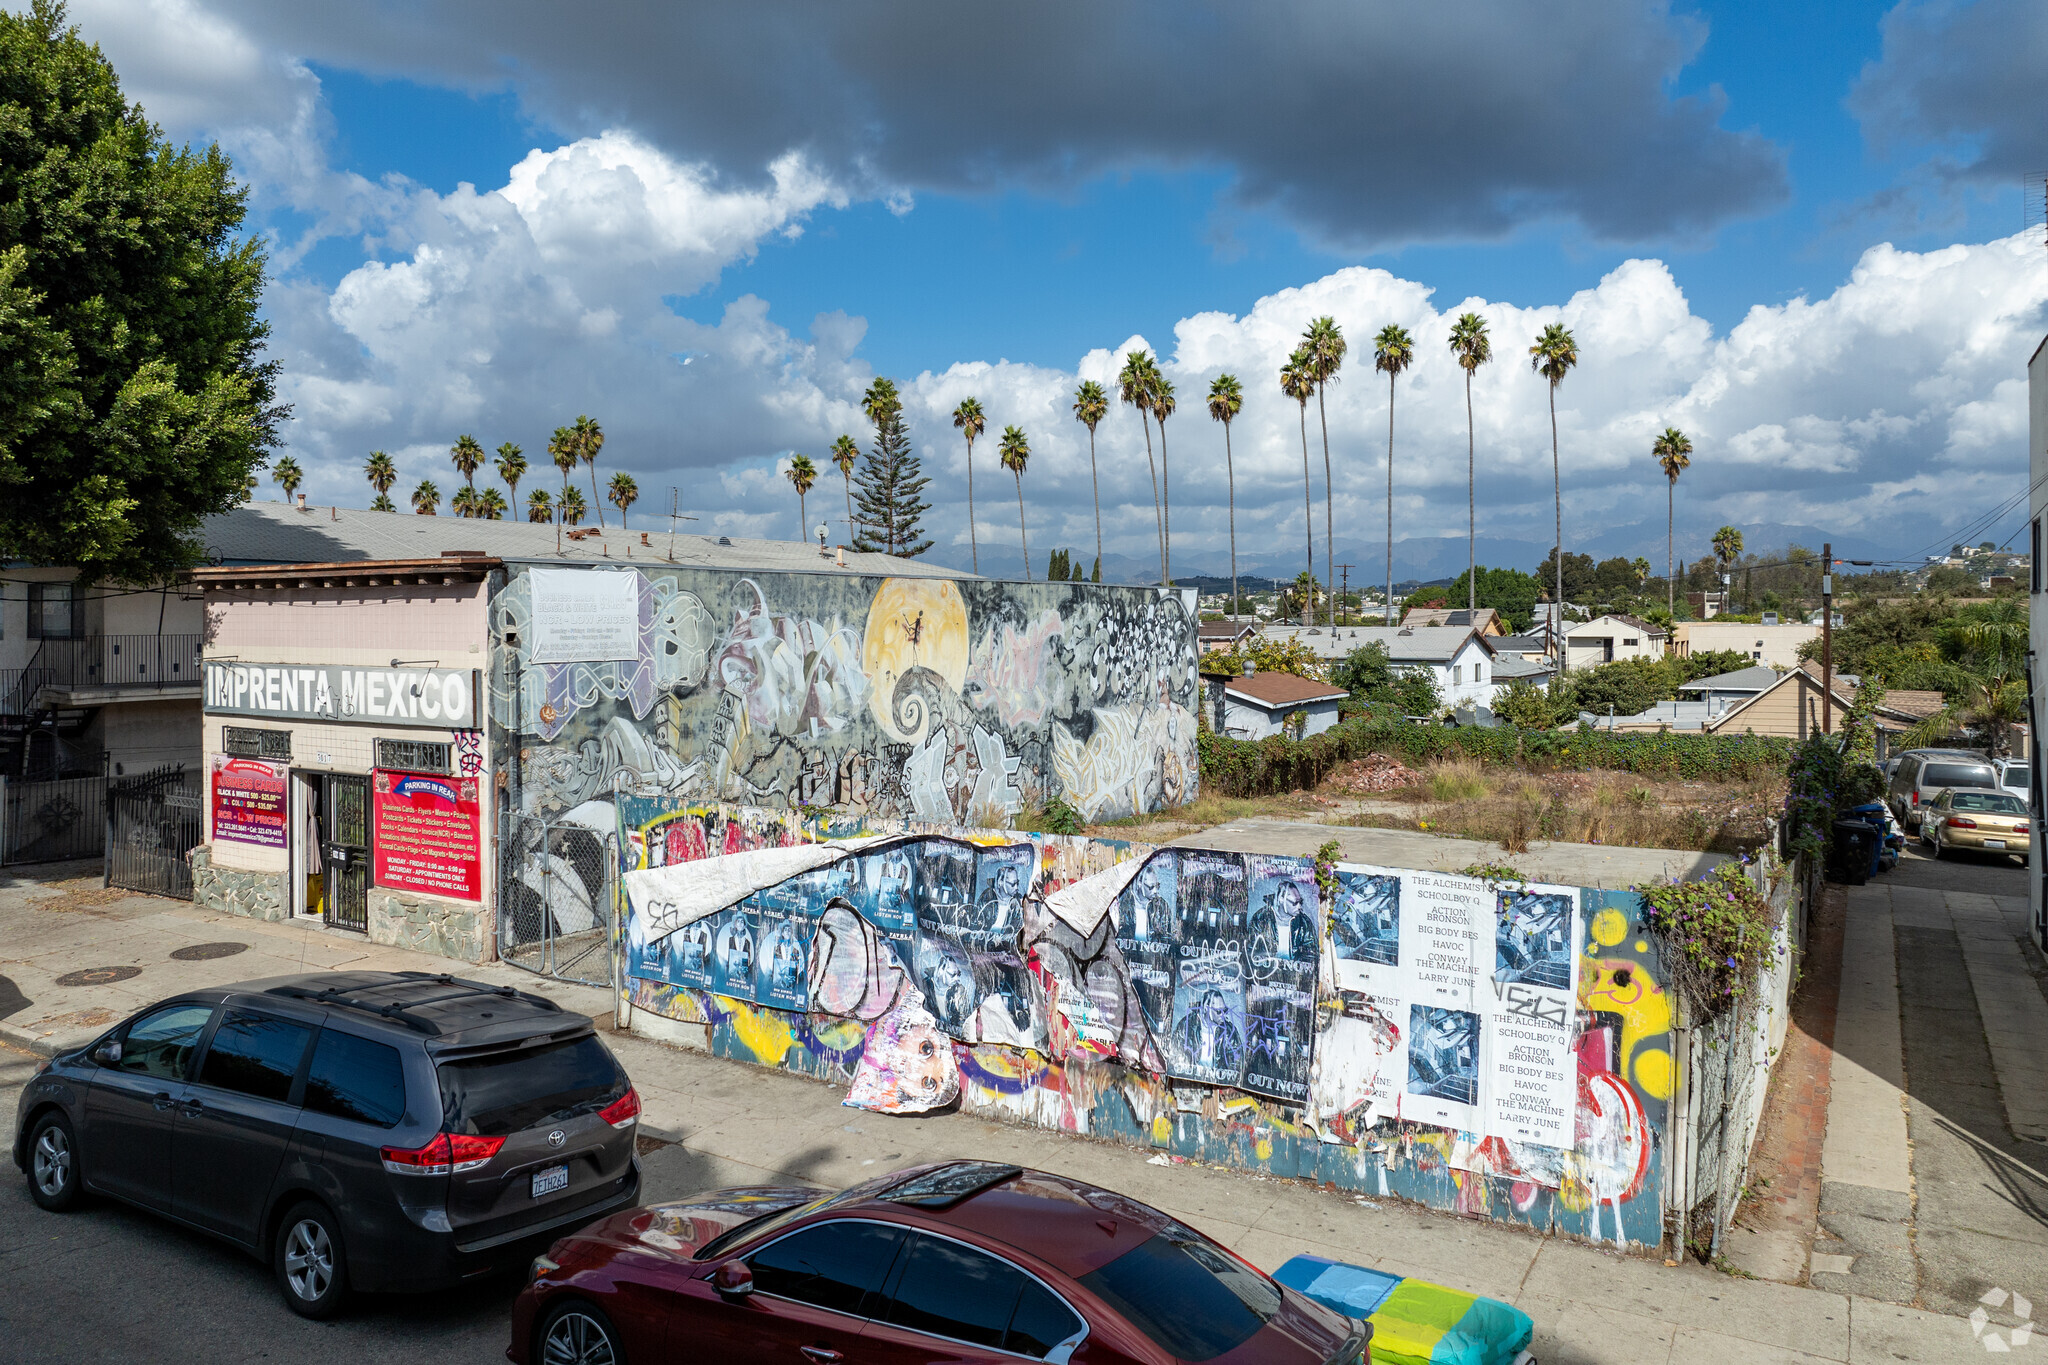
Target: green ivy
<point x="1718" y="938"/>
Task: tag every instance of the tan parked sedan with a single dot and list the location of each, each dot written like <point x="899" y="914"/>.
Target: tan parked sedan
<point x="1970" y="818"/>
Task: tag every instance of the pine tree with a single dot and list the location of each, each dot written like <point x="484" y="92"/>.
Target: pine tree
<point x="886" y="493"/>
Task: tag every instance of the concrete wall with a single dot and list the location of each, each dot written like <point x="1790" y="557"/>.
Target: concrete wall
<point x="1606" y="1187"/>
<point x="1777" y="646"/>
<point x="1242" y="720"/>
<point x="140" y="735"/>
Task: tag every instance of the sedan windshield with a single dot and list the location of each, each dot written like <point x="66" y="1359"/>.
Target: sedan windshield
<point x="1988" y="803"/>
<point x="1192" y="1298"/>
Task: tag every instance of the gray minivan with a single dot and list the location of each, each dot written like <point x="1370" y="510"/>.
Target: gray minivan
<point x="1923" y="774"/>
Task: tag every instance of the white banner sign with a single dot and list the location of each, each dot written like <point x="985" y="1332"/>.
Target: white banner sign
<point x="439" y="698"/>
<point x="583" y="615"/>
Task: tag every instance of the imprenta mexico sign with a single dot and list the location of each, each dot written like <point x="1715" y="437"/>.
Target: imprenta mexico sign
<point x="443" y="698"/>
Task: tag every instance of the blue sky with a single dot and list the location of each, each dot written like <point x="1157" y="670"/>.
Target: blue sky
<point x="981" y="188"/>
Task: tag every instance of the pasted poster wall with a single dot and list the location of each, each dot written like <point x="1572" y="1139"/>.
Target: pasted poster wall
<point x="955" y="702"/>
<point x="1500" y="1049"/>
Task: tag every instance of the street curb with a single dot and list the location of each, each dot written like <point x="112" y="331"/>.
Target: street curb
<point x="31" y="1042"/>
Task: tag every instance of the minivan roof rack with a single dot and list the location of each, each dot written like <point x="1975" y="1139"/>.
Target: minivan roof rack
<point x="406" y="1012"/>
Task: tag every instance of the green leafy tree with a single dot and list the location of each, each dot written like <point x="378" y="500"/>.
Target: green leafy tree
<point x="1673" y="450"/>
<point x="1510" y="592"/>
<point x="426" y="499"/>
<point x="1554" y="356"/>
<point x="624" y="492"/>
<point x="970" y="421"/>
<point x="1324" y="342"/>
<point x="288" y="476"/>
<point x="539" y="506"/>
<point x="1015" y="452"/>
<point x="1471" y="348"/>
<point x="1297" y="381"/>
<point x="1371" y="679"/>
<point x="134" y="397"/>
<point x="381" y="473"/>
<point x="1393" y="351"/>
<point x="1056" y="566"/>
<point x="802" y="476"/>
<point x="1526" y="706"/>
<point x="1134" y="383"/>
<point x="511" y="468"/>
<point x="1226" y="400"/>
<point x="572" y="507"/>
<point x="1091" y="405"/>
<point x="467" y="454"/>
<point x="844" y="454"/>
<point x="891" y="478"/>
<point x="1267" y="654"/>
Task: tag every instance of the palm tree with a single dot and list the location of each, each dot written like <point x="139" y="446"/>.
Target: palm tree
<point x="288" y="475"/>
<point x="1226" y="400"/>
<point x="572" y="507"/>
<point x="511" y="468"/>
<point x="1325" y="343"/>
<point x="1393" y="351"/>
<point x="426" y="499"/>
<point x="1163" y="405"/>
<point x="382" y="473"/>
<point x="466" y="454"/>
<point x="1553" y="356"/>
<point x="1091" y="405"/>
<point x="802" y="474"/>
<point x="844" y="453"/>
<point x="1674" y="452"/>
<point x="1298" y="383"/>
<point x="1016" y="453"/>
<point x="1471" y="347"/>
<point x="1135" y="384"/>
<point x="590" y="440"/>
<point x="489" y="504"/>
<point x="1727" y="548"/>
<point x="562" y="450"/>
<point x="463" y="504"/>
<point x="624" y="493"/>
<point x="539" y="506"/>
<point x="970" y="422"/>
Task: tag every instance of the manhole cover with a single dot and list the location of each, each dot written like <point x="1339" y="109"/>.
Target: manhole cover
<point x="206" y="952"/>
<point x="98" y="976"/>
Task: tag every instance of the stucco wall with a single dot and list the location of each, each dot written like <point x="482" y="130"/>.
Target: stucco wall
<point x="1777" y="646"/>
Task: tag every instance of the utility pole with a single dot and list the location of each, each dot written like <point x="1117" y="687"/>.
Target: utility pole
<point x="674" y="516"/>
<point x="1346" y="592"/>
<point x="1827" y="638"/>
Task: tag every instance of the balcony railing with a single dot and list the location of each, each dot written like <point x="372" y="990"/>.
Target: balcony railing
<point x="124" y="661"/>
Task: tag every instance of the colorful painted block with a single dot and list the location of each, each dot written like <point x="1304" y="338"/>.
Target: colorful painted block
<point x="1415" y="1322"/>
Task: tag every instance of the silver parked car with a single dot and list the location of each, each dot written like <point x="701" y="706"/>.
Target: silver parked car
<point x="1924" y="774"/>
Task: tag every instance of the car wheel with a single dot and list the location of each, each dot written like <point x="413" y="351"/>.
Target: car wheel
<point x="311" y="1269"/>
<point x="53" y="1177"/>
<point x="576" y="1333"/>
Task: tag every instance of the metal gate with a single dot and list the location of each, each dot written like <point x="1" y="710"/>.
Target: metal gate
<point x="558" y="907"/>
<point x="153" y="825"/>
<point x="345" y="854"/>
<point x="47" y="822"/>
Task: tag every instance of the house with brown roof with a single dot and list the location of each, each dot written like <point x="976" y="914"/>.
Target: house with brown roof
<point x="1484" y="620"/>
<point x="1606" y="639"/>
<point x="1257" y="705"/>
<point x="1220" y="637"/>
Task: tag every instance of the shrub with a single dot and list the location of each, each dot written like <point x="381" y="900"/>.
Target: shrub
<point x="1459" y="780"/>
<point x="1718" y="938"/>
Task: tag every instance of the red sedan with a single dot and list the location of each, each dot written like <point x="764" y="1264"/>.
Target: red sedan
<point x="966" y="1262"/>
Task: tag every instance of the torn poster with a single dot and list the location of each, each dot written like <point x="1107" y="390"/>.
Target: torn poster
<point x="906" y="1065"/>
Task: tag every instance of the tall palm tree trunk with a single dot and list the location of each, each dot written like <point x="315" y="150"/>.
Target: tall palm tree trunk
<point x="1230" y="473"/>
<point x="1557" y="494"/>
<point x="803" y="520"/>
<point x="1390" y="500"/>
<point x="1670" y="521"/>
<point x="973" y="544"/>
<point x="1308" y="512"/>
<point x="848" y="478"/>
<point x="598" y="502"/>
<point x="1158" y="523"/>
<point x="1095" y="486"/>
<point x="1471" y="505"/>
<point x="1329" y="519"/>
<point x="1022" y="540"/>
<point x="1166" y="512"/>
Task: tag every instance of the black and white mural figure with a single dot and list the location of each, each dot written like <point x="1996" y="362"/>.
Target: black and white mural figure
<point x="943" y="893"/>
<point x="1366" y="921"/>
<point x="946" y="978"/>
<point x="1283" y="922"/>
<point x="1443" y="1054"/>
<point x="1214" y="900"/>
<point x="1533" y="939"/>
<point x="1145" y="934"/>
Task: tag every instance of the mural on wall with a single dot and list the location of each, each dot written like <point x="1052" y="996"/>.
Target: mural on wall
<point x="954" y="702"/>
<point x="1153" y="990"/>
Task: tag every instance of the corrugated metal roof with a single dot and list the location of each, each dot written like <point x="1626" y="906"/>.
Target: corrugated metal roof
<point x="273" y="533"/>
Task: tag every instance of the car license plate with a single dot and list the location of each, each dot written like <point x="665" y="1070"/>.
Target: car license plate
<point x="548" y="1181"/>
<point x="1994" y="843"/>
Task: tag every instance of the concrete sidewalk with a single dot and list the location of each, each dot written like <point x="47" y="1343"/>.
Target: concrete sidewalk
<point x="712" y="1122"/>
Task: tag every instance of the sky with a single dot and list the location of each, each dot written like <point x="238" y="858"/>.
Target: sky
<point x="1799" y="232"/>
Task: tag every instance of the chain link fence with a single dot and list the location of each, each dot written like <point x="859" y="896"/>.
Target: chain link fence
<point x="558" y="908"/>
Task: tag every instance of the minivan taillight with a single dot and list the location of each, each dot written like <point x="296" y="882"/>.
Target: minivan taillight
<point x="622" y="1112"/>
<point x="448" y="1151"/>
<point x="1916" y="798"/>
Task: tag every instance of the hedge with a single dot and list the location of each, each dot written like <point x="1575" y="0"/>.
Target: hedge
<point x="1237" y="767"/>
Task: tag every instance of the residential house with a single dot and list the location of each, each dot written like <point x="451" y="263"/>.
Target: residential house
<point x="1793" y="707"/>
<point x="1707" y="605"/>
<point x="1221" y="637"/>
<point x="1608" y="639"/>
<point x="1485" y="620"/>
<point x="1328" y="645"/>
<point x="1458" y="657"/>
<point x="1259" y="705"/>
<point x="1725" y="690"/>
<point x="1776" y="645"/>
<point x="1701" y="701"/>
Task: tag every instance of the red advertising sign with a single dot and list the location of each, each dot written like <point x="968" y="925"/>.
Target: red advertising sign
<point x="248" y="801"/>
<point x="428" y="834"/>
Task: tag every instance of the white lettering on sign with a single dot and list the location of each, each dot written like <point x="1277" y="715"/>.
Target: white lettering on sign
<point x="436" y="697"/>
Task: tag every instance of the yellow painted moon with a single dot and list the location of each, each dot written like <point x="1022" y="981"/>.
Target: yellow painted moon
<point x="913" y="623"/>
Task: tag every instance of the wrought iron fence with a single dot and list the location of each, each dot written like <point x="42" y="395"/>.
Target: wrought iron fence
<point x="47" y="822"/>
<point x="153" y="824"/>
<point x="558" y="902"/>
<point x="121" y="661"/>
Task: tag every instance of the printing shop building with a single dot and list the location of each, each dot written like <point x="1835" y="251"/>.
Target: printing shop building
<point x="347" y="773"/>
